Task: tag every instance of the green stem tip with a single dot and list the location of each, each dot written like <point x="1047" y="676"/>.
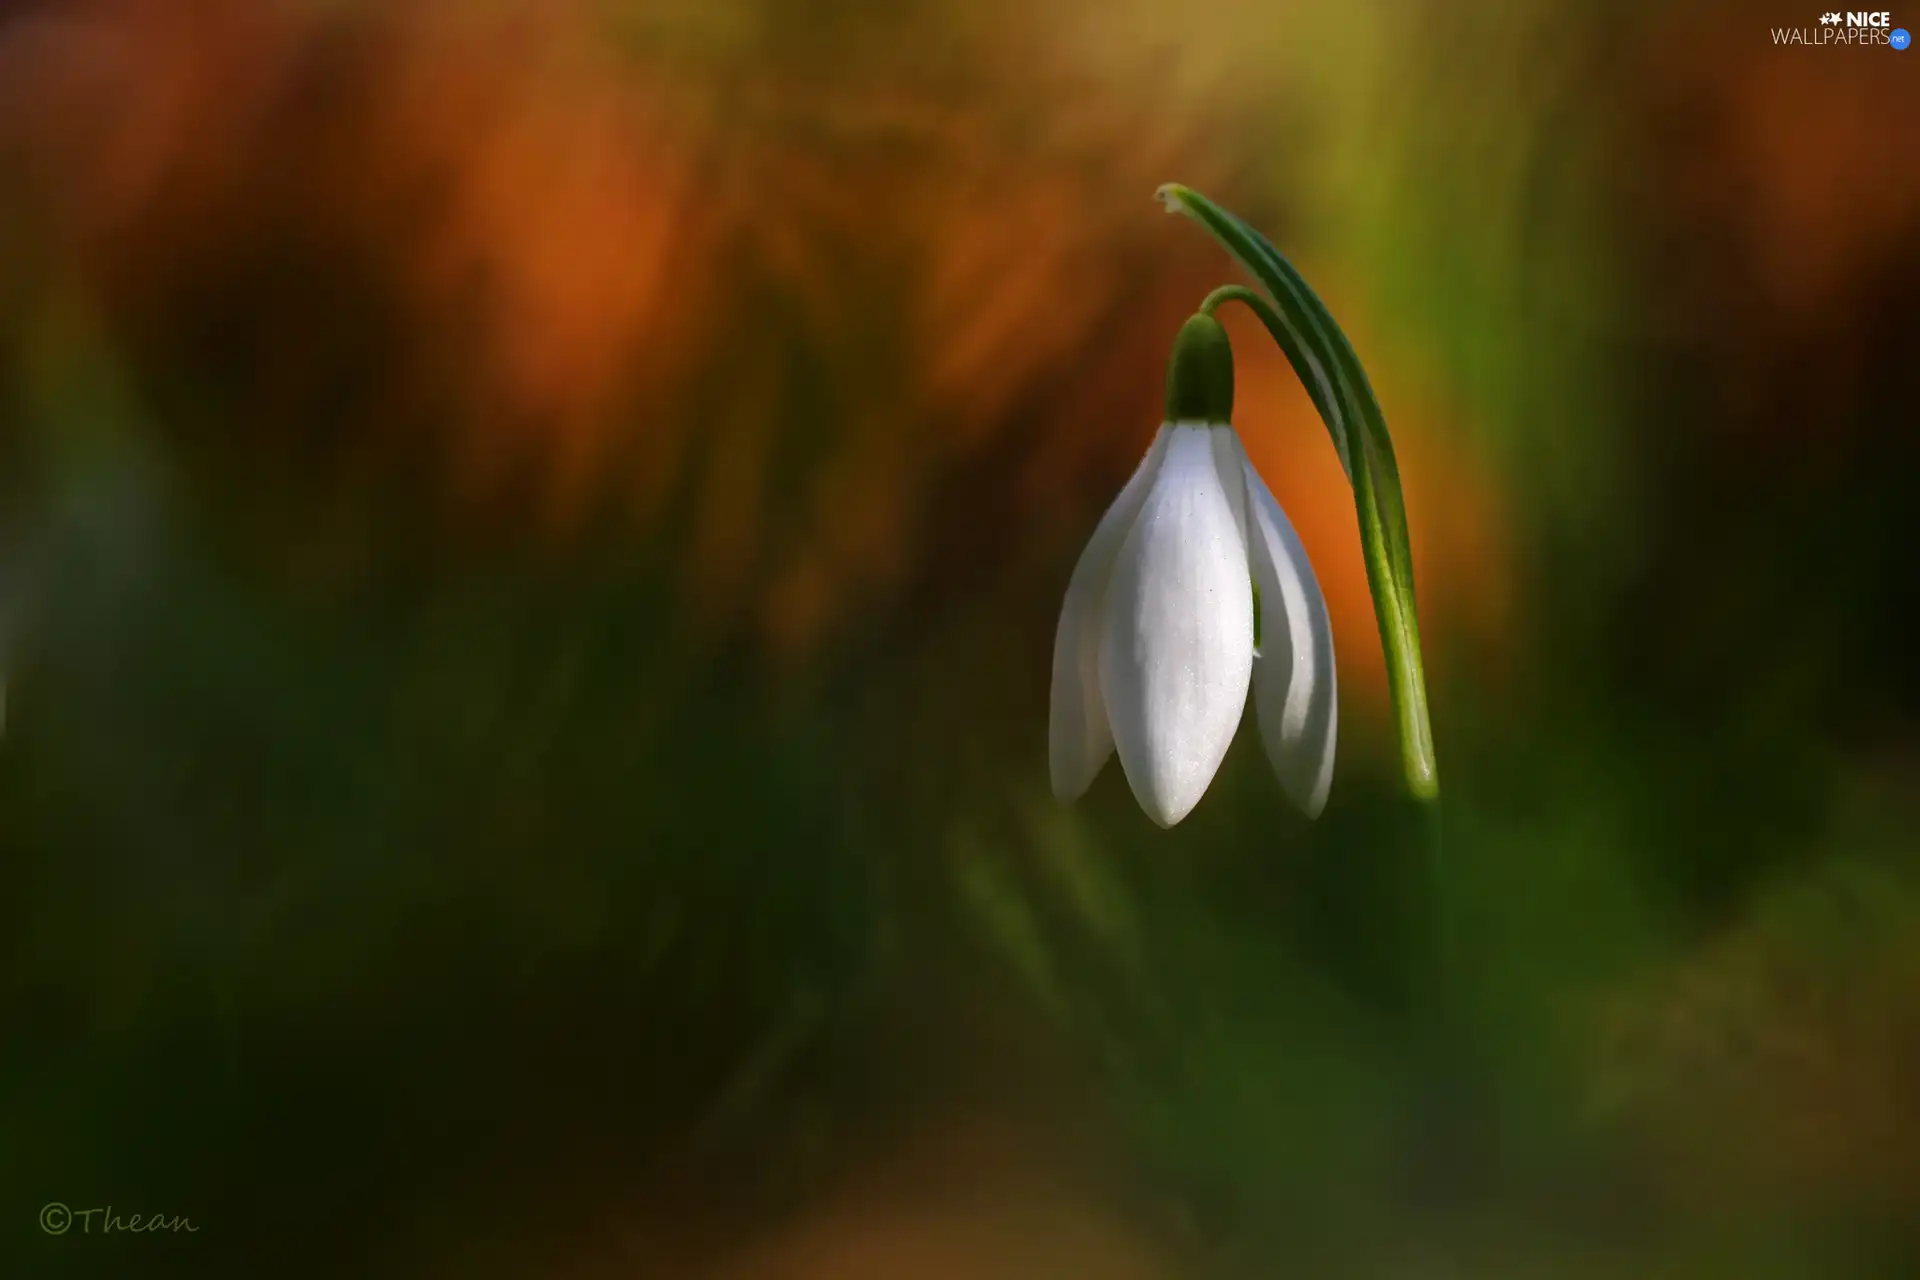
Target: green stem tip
<point x="1200" y="373"/>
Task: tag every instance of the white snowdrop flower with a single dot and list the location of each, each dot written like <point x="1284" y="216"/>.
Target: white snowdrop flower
<point x="1158" y="641"/>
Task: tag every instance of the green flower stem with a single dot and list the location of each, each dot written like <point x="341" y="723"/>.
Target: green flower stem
<point x="1327" y="366"/>
<point x="1319" y="389"/>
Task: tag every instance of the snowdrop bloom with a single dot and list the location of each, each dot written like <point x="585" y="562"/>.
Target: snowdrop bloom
<point x="1158" y="640"/>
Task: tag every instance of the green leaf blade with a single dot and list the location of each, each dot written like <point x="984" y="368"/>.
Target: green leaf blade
<point x="1330" y="370"/>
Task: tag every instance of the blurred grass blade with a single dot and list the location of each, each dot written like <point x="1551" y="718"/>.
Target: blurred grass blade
<point x="1326" y="364"/>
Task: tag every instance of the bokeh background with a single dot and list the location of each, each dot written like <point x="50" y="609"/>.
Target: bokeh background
<point x="530" y="538"/>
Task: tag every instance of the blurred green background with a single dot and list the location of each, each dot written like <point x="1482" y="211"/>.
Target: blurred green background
<point x="530" y="543"/>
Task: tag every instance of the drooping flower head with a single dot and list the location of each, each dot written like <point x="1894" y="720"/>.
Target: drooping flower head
<point x="1193" y="588"/>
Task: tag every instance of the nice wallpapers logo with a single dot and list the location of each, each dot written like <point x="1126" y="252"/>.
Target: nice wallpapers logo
<point x="1848" y="30"/>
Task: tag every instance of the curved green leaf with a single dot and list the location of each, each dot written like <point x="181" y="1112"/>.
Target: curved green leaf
<point x="1326" y="365"/>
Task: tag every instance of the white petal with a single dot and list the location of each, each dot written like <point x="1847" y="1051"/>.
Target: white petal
<point x="1293" y="676"/>
<point x="1176" y="650"/>
<point x="1078" y="739"/>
